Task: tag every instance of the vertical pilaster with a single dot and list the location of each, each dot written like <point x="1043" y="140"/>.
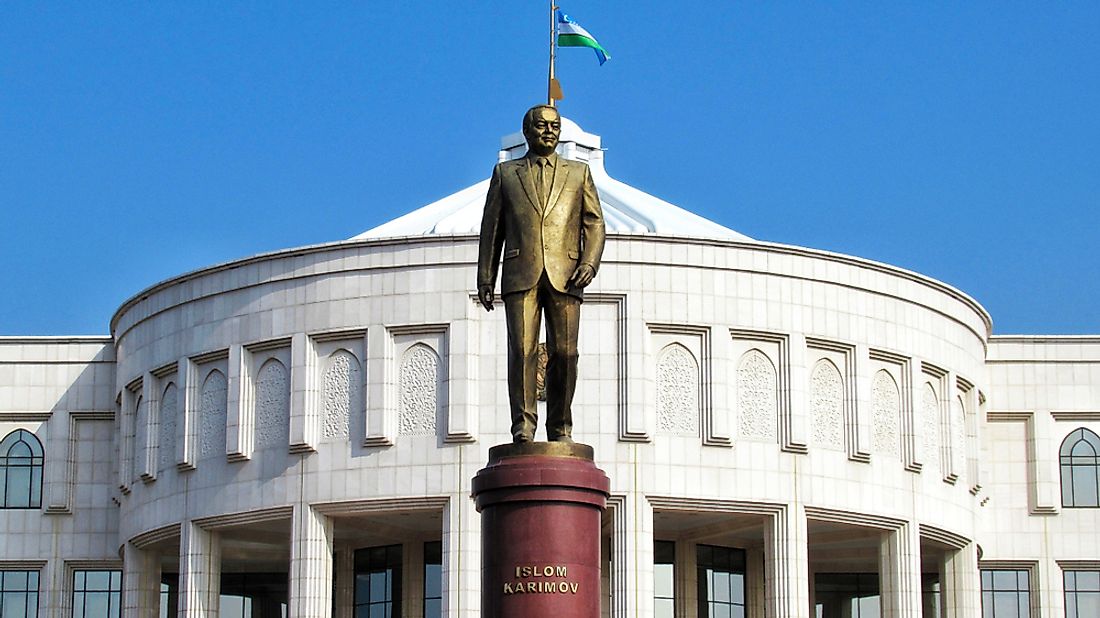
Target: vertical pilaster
<point x="1044" y="485"/>
<point x="464" y="358"/>
<point x="952" y="450"/>
<point x="140" y="583"/>
<point x="1050" y="585"/>
<point x="125" y="439"/>
<point x="755" y="576"/>
<point x="461" y="569"/>
<point x="632" y="557"/>
<point x="910" y="417"/>
<point x="412" y="578"/>
<point x="860" y="373"/>
<point x="687" y="580"/>
<point x="187" y="429"/>
<point x="787" y="584"/>
<point x="53" y="584"/>
<point x="147" y="454"/>
<point x="794" y="422"/>
<point x="899" y="572"/>
<point x="960" y="583"/>
<point x="380" y="425"/>
<point x="305" y="395"/>
<point x="200" y="572"/>
<point x="343" y="567"/>
<point x="310" y="563"/>
<point x="240" y="408"/>
<point x="59" y="465"/>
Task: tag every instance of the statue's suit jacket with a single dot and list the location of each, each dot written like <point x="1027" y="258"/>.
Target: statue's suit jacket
<point x="557" y="238"/>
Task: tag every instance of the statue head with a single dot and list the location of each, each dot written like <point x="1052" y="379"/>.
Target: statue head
<point x="541" y="129"/>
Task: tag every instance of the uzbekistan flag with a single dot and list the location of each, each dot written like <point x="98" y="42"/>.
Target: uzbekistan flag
<point x="571" y="34"/>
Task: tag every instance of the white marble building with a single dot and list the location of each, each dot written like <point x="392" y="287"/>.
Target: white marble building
<point x="788" y="432"/>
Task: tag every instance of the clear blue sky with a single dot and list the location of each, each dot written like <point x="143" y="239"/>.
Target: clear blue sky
<point x="140" y="140"/>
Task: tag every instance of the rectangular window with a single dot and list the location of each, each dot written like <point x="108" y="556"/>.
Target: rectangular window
<point x="433" y="579"/>
<point x="19" y="594"/>
<point x="721" y="581"/>
<point x="378" y="582"/>
<point x="847" y="595"/>
<point x="664" y="579"/>
<point x="1082" y="593"/>
<point x="97" y="594"/>
<point x="1006" y="593"/>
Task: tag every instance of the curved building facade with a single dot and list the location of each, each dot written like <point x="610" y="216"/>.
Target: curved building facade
<point x="788" y="432"/>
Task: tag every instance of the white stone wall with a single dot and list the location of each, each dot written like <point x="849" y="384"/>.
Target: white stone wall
<point x="784" y="383"/>
<point x="1040" y="390"/>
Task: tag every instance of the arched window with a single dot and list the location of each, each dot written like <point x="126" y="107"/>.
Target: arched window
<point x="20" y="471"/>
<point x="1080" y="458"/>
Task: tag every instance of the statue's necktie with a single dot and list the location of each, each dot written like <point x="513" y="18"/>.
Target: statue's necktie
<point x="544" y="185"/>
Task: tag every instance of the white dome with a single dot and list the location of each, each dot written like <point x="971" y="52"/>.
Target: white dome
<point x="626" y="210"/>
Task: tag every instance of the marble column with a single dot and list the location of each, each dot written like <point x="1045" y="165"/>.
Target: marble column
<point x="140" y="583"/>
<point x="200" y="572"/>
<point x="632" y="557"/>
<point x="310" y="563"/>
<point x="787" y="579"/>
<point x="344" y="576"/>
<point x="960" y="582"/>
<point x="899" y="572"/>
<point x="755" y="576"/>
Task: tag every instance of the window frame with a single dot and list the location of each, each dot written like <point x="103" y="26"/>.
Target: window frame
<point x="31" y="609"/>
<point x="36" y="465"/>
<point x="1066" y="592"/>
<point x="1069" y="463"/>
<point x="114" y="589"/>
<point x="1024" y="592"/>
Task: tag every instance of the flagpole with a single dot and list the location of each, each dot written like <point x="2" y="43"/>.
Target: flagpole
<point x="553" y="47"/>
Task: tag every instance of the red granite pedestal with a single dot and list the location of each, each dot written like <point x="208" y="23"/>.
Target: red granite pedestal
<point x="540" y="506"/>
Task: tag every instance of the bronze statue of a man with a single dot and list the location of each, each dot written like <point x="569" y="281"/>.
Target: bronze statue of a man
<point x="544" y="213"/>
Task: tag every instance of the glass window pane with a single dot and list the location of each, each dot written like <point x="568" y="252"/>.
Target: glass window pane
<point x="662" y="580"/>
<point x="362" y="587"/>
<point x="99" y="580"/>
<point x="36" y="487"/>
<point x="378" y="586"/>
<point x="78" y="580"/>
<point x="95" y="604"/>
<point x="1022" y="580"/>
<point x="720" y="610"/>
<point x="433" y="608"/>
<point x="78" y="604"/>
<point x="1004" y="580"/>
<point x="663" y="608"/>
<point x="1069" y="579"/>
<point x="1084" y="486"/>
<point x="116" y="604"/>
<point x="378" y="610"/>
<point x="1025" y="608"/>
<point x="987" y="604"/>
<point x="720" y="587"/>
<point x="362" y="611"/>
<point x="987" y="580"/>
<point x="32" y="580"/>
<point x="116" y="580"/>
<point x="15" y="605"/>
<point x="1088" y="580"/>
<point x="433" y="581"/>
<point x="1067" y="485"/>
<point x="738" y="588"/>
<point x="15" y="580"/>
<point x="1088" y="604"/>
<point x="1004" y="604"/>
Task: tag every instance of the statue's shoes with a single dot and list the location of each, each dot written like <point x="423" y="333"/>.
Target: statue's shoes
<point x="521" y="439"/>
<point x="563" y="439"/>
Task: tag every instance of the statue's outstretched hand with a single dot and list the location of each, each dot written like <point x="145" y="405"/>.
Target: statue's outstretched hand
<point x="485" y="295"/>
<point x="582" y="276"/>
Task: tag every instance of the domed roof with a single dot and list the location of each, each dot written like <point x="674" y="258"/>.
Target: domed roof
<point x="626" y="210"/>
